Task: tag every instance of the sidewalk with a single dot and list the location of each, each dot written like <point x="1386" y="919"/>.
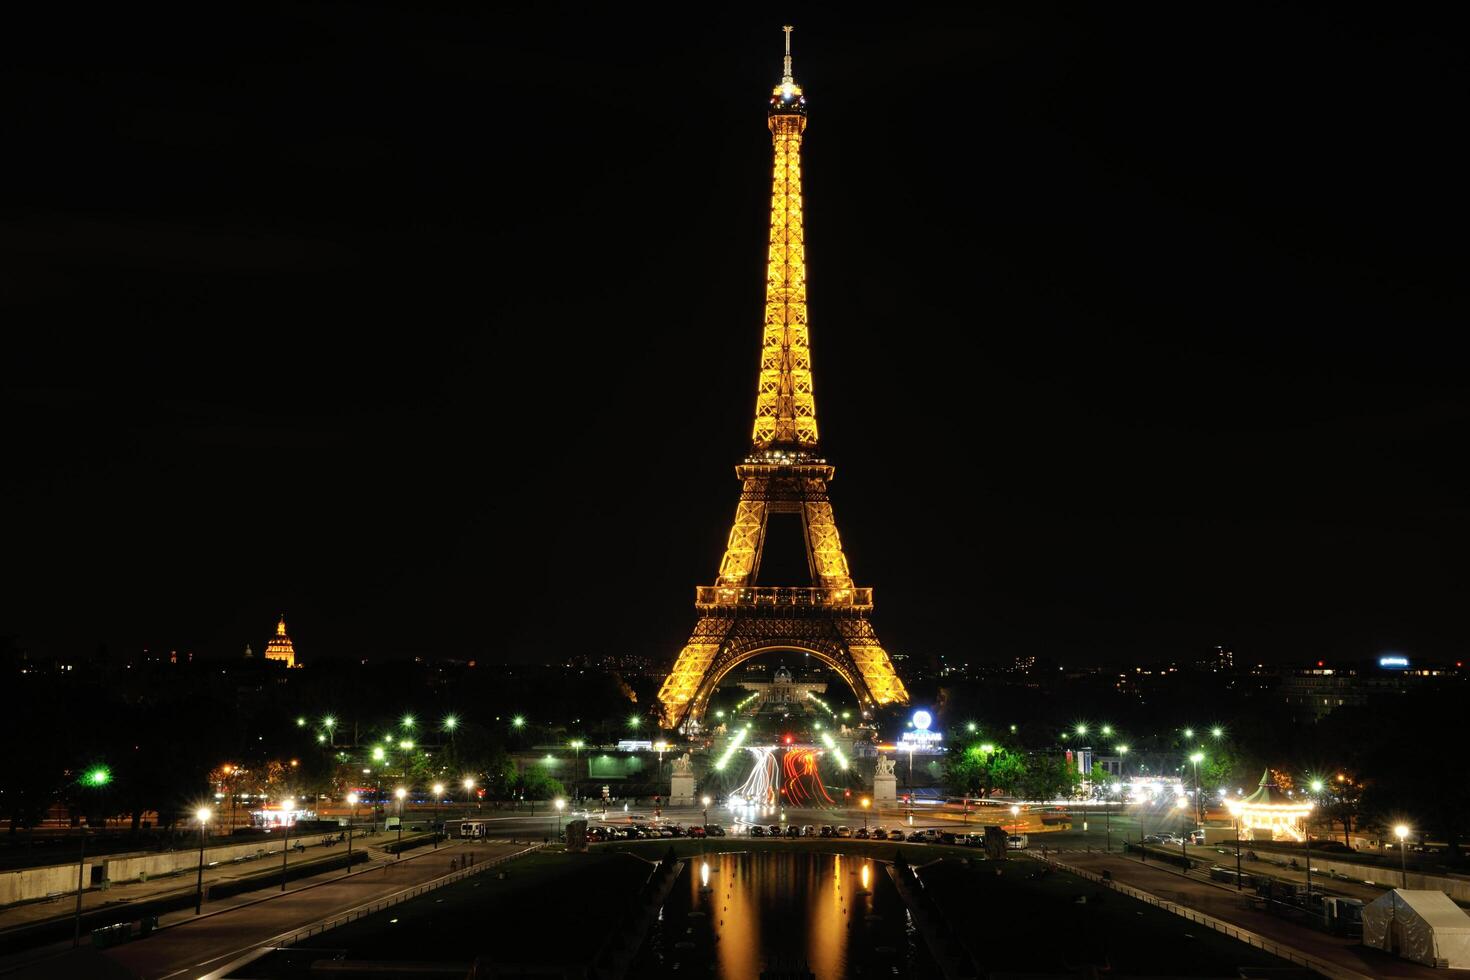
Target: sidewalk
<point x="130" y="892"/>
<point x="185" y="942"/>
<point x="1224" y="903"/>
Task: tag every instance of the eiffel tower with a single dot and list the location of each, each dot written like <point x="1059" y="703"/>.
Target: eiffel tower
<point x="784" y="474"/>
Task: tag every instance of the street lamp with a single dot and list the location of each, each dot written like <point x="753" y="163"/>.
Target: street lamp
<point x="202" y="815"/>
<point x="353" y="799"/>
<point x="1197" y="758"/>
<point x="438" y="794"/>
<point x="1015" y="818"/>
<point x="400" y="792"/>
<point x="1401" y="831"/>
<point x="706" y="812"/>
<point x="576" y="744"/>
<point x="97" y="777"/>
<point x="408" y="721"/>
<point x="1108" y="814"/>
<point x="519" y="721"/>
<point x="559" y="803"/>
<point x="288" y="806"/>
<point x="1122" y="751"/>
<point x="469" y="790"/>
<point x="866" y="803"/>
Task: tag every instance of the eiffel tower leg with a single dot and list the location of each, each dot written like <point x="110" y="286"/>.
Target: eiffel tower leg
<point x="680" y="691"/>
<point x="872" y="662"/>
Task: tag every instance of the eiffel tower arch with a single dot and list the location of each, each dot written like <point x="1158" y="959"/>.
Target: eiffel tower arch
<point x="783" y="474"/>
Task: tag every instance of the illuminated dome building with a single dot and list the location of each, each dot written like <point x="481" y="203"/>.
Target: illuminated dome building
<point x="279" y="647"/>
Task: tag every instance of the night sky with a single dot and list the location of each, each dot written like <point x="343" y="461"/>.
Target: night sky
<point x="1133" y="331"/>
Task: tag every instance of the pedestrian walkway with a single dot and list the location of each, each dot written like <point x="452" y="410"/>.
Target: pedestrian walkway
<point x="184" y="882"/>
<point x="1224" y="903"/>
<point x="186" y="944"/>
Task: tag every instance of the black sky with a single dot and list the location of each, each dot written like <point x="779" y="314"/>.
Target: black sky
<point x="1134" y="331"/>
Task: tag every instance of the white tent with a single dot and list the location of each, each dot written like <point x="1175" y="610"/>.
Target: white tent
<point x="1422" y="926"/>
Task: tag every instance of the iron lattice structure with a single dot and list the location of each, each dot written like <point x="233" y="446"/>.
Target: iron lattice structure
<point x="782" y="475"/>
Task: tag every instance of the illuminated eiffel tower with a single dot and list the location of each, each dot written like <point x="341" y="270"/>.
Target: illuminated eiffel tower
<point x="784" y="474"/>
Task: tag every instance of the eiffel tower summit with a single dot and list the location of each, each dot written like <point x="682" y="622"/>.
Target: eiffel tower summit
<point x="784" y="473"/>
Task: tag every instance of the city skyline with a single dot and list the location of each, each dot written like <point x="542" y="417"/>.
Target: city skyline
<point x="1138" y="356"/>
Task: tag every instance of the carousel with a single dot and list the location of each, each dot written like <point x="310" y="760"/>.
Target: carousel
<point x="1270" y="814"/>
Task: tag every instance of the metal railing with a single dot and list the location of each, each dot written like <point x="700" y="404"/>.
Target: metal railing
<point x="372" y="908"/>
<point x="1325" y="967"/>
<point x="778" y="597"/>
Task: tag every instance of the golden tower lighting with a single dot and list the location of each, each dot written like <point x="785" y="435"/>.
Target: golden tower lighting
<point x="783" y="474"/>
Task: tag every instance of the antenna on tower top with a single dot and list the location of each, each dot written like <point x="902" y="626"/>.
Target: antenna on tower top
<point x="786" y="76"/>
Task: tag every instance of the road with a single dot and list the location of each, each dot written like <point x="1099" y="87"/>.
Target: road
<point x="188" y="947"/>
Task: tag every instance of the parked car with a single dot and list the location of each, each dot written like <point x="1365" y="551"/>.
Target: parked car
<point x="947" y="838"/>
<point x="827" y="830"/>
<point x="1016" y="842"/>
<point x="860" y="834"/>
<point x="895" y="834"/>
<point x="756" y="830"/>
<point x="793" y="831"/>
<point x="844" y="831"/>
<point x="917" y="837"/>
<point x="696" y="831"/>
<point x="714" y="830"/>
<point x="1161" y="839"/>
<point x="774" y="830"/>
<point x="807" y="830"/>
<point x="1333" y="846"/>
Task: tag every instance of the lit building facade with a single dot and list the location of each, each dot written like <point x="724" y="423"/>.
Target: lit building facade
<point x="279" y="648"/>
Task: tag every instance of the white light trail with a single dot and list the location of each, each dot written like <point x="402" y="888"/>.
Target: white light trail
<point x="732" y="748"/>
<point x="832" y="747"/>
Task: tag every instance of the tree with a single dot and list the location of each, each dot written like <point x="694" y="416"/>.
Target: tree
<point x="1049" y="777"/>
<point x="976" y="772"/>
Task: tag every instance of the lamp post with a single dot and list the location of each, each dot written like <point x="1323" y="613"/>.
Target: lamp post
<point x="559" y="803"/>
<point x="438" y="795"/>
<point x="577" y="744"/>
<point x="469" y="790"/>
<point x="1316" y="786"/>
<point x="353" y="799"/>
<point x="96" y="778"/>
<point x="866" y="803"/>
<point x="1015" y="818"/>
<point x="1108" y="815"/>
<point x="1197" y="758"/>
<point x="1401" y="831"/>
<point x="400" y="792"/>
<point x="705" y="801"/>
<point x="202" y="815"/>
<point x="287" y="808"/>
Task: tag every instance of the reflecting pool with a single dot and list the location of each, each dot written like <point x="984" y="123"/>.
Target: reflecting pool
<point x="733" y="915"/>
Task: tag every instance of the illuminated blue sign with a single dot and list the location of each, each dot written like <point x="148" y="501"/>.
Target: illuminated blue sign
<point x="1394" y="661"/>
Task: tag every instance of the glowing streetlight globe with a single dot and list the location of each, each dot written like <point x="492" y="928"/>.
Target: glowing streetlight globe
<point x="99" y="776"/>
<point x="438" y="789"/>
<point x="353" y="799"/>
<point x="922" y="720"/>
<point x="519" y="721"/>
<point x="469" y="783"/>
<point x="1316" y="786"/>
<point x="203" y="814"/>
<point x="400" y="792"/>
<point x="560" y="804"/>
<point x="408" y="721"/>
<point x="1401" y="831"/>
<point x="450" y="723"/>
